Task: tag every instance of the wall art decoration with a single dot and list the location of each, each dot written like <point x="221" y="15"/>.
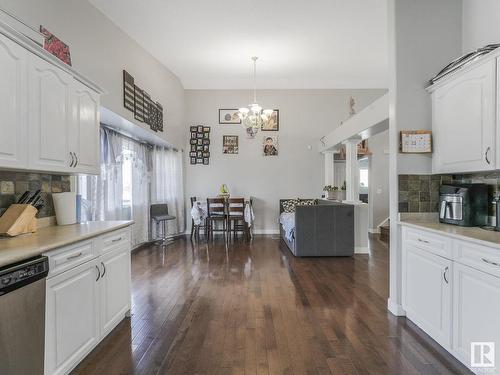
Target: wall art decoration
<point x="128" y="91"/>
<point x="139" y="102"/>
<point x="251" y="132"/>
<point x="199" y="145"/>
<point x="230" y="144"/>
<point x="270" y="145"/>
<point x="229" y="116"/>
<point x="273" y="123"/>
<point x="56" y="46"/>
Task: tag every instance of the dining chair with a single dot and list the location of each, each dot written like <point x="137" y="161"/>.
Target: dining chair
<point x="216" y="212"/>
<point x="236" y="216"/>
<point x="159" y="215"/>
<point x="195" y="229"/>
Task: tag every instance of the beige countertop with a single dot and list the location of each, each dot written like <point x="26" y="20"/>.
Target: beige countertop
<point x="27" y="246"/>
<point x="472" y="234"/>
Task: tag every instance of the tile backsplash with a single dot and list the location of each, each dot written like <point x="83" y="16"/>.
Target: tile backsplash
<point x="420" y="193"/>
<point x="14" y="184"/>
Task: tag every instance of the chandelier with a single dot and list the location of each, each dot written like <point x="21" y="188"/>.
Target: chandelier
<point x="254" y="116"/>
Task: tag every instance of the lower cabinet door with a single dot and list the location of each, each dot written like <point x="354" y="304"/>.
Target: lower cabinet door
<point x="72" y="317"/>
<point x="476" y="320"/>
<point x="115" y="288"/>
<point x="427" y="292"/>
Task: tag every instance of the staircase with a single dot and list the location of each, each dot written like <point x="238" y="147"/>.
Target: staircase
<point x="385" y="232"/>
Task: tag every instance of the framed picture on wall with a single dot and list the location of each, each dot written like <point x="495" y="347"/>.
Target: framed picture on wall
<point x="206" y="161"/>
<point x="273" y="123"/>
<point x="230" y="144"/>
<point x="270" y="145"/>
<point x="229" y="116"/>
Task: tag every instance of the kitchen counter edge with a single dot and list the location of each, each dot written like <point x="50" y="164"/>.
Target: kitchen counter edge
<point x="17" y="249"/>
<point x="471" y="234"/>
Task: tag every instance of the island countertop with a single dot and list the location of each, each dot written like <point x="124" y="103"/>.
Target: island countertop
<point x="26" y="246"/>
<point x="472" y="234"/>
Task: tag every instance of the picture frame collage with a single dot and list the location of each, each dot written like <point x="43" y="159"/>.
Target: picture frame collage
<point x="199" y="143"/>
<point x="140" y="103"/>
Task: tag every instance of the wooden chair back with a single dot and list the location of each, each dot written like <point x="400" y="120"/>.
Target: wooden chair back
<point x="216" y="207"/>
<point x="236" y="206"/>
<point x="193" y="199"/>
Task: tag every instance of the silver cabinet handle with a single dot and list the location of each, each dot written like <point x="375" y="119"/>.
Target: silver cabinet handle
<point x="486" y="155"/>
<point x="76" y="156"/>
<point x="98" y="273"/>
<point x="72" y="159"/>
<point x="490" y="262"/>
<point x="103" y="269"/>
<point x="117" y="239"/>
<point x="74" y="256"/>
<point x="444" y="275"/>
<point x="421" y="240"/>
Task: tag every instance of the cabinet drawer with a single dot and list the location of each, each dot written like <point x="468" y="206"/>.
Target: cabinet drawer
<point x="480" y="257"/>
<point x="114" y="240"/>
<point x="434" y="243"/>
<point x="70" y="256"/>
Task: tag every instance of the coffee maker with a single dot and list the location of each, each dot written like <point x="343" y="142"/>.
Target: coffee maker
<point x="463" y="204"/>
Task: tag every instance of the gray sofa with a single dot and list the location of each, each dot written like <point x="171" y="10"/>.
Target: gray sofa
<point x="324" y="229"/>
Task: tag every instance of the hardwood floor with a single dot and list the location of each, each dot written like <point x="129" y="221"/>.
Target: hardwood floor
<point x="255" y="309"/>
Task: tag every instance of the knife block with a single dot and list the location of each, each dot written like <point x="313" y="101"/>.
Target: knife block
<point x="18" y="219"/>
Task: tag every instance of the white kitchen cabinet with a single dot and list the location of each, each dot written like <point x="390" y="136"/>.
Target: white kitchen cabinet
<point x="13" y="106"/>
<point x="476" y="307"/>
<point x="464" y="121"/>
<point x="50" y="115"/>
<point x="427" y="292"/>
<point x="114" y="288"/>
<point x="84" y="134"/>
<point x="72" y="317"/>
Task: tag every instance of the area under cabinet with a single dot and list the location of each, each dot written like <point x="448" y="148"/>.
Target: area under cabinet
<point x="453" y="296"/>
<point x="49" y="114"/>
<point x="88" y="294"/>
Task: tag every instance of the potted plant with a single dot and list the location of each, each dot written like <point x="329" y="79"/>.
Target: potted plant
<point x="331" y="192"/>
<point x="343" y="190"/>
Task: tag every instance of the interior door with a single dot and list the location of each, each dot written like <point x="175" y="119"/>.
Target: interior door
<point x="13" y="105"/>
<point x="85" y="130"/>
<point x="427" y="292"/>
<point x="476" y="304"/>
<point x="115" y="288"/>
<point x="49" y="117"/>
<point x="72" y="317"/>
<point x="464" y="122"/>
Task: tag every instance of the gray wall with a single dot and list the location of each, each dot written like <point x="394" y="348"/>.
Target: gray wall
<point x="378" y="196"/>
<point x="481" y="23"/>
<point x="100" y="50"/>
<point x="305" y="116"/>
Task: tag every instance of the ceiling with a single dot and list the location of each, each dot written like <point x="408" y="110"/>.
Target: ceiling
<point x="308" y="44"/>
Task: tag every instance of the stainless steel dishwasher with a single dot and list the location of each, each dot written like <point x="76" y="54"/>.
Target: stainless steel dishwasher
<point x="22" y="317"/>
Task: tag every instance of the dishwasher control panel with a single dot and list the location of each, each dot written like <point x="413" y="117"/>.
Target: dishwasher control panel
<point x="15" y="276"/>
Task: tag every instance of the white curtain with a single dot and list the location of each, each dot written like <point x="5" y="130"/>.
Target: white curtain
<point x="167" y="186"/>
<point x="121" y="191"/>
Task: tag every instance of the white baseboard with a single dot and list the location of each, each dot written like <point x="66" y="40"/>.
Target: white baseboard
<point x="361" y="250"/>
<point x="374" y="230"/>
<point x="395" y="309"/>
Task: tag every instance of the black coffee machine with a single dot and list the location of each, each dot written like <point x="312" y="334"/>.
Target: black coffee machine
<point x="463" y="204"/>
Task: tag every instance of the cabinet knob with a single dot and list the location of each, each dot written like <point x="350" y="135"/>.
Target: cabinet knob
<point x="72" y="159"/>
<point x="444" y="275"/>
<point x="76" y="157"/>
<point x="98" y="273"/>
<point x="487" y="155"/>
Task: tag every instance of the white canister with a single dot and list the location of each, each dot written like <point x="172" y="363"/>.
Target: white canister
<point x="65" y="206"/>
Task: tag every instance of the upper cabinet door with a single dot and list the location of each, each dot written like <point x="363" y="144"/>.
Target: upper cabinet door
<point x="464" y="122"/>
<point x="49" y="117"/>
<point x="84" y="137"/>
<point x="13" y="91"/>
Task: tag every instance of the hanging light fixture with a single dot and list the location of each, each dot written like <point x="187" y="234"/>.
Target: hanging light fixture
<point x="254" y="116"/>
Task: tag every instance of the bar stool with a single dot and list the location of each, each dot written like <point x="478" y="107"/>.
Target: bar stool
<point x="159" y="214"/>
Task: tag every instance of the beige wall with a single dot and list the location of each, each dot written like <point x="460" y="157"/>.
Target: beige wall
<point x="305" y="116"/>
<point x="100" y="50"/>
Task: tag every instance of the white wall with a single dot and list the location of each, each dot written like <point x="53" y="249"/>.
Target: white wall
<point x="481" y="23"/>
<point x="424" y="36"/>
<point x="378" y="196"/>
<point x="305" y="116"/>
<point x="100" y="51"/>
